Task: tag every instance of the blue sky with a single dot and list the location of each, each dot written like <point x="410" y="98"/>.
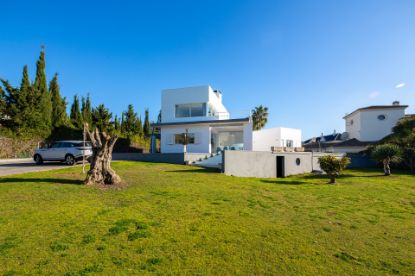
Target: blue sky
<point x="309" y="62"/>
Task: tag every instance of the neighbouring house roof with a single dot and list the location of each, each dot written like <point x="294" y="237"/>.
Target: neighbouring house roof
<point x="206" y="122"/>
<point x="374" y="107"/>
<point x="325" y="138"/>
<point x="338" y="143"/>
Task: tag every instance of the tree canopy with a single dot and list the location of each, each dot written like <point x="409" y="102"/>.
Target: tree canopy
<point x="37" y="109"/>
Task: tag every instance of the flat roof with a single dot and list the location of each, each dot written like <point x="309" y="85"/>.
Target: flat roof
<point x="372" y="107"/>
<point x="206" y="122"/>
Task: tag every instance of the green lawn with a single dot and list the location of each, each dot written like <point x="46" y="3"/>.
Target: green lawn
<point x="179" y="219"/>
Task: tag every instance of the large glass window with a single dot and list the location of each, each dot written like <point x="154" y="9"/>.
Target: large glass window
<point x="179" y="138"/>
<point x="190" y="110"/>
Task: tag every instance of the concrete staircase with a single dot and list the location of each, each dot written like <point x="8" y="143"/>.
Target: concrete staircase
<point x="214" y="161"/>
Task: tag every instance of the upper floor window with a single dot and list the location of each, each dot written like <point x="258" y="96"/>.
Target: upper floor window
<point x="190" y="110"/>
<point x="289" y="143"/>
<point x="381" y="117"/>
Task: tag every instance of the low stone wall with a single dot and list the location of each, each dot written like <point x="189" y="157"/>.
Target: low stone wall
<point x="296" y="162"/>
<point x="264" y="164"/>
<point x="172" y="158"/>
<point x="17" y="147"/>
<point x="316" y="155"/>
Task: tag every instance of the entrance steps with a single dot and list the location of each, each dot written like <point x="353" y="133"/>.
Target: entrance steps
<point x="214" y="161"/>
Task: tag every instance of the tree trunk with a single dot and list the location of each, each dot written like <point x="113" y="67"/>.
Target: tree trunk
<point x="101" y="172"/>
<point x="332" y="179"/>
<point x="386" y="167"/>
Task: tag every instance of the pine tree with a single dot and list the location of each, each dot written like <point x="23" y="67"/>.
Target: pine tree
<point x="59" y="116"/>
<point x="86" y="110"/>
<point x="75" y="116"/>
<point x="22" y="108"/>
<point x="131" y="124"/>
<point x="11" y="109"/>
<point x="41" y="90"/>
<point x="146" y="125"/>
<point x="101" y="118"/>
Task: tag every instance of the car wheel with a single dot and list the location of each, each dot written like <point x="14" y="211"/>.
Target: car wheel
<point x="38" y="159"/>
<point x="70" y="160"/>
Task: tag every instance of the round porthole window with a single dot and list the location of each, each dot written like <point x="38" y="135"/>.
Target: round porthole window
<point x="381" y="117"/>
<point x="298" y="161"/>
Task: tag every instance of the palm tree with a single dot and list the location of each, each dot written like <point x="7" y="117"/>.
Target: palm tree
<point x="386" y="154"/>
<point x="259" y="117"/>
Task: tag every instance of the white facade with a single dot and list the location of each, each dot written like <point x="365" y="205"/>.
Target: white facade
<point x="207" y="137"/>
<point x="264" y="139"/>
<point x="171" y="99"/>
<point x="373" y="123"/>
<point x="199" y="113"/>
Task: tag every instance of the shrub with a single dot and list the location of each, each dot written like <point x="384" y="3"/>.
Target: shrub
<point x="333" y="166"/>
<point x="386" y="154"/>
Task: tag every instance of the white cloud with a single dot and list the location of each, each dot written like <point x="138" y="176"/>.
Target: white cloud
<point x="400" y="85"/>
<point x="374" y="94"/>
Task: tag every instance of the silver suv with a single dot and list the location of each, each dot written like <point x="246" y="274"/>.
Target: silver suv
<point x="66" y="151"/>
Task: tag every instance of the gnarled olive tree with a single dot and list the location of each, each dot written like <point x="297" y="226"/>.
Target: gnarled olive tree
<point x="101" y="172"/>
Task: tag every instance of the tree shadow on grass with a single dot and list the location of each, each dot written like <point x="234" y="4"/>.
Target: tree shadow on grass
<point x="199" y="170"/>
<point x="324" y="176"/>
<point x="285" y="182"/>
<point x="42" y="180"/>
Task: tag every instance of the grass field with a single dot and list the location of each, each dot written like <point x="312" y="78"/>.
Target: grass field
<point x="178" y="219"/>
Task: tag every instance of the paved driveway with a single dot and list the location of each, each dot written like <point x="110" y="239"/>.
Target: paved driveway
<point x="26" y="167"/>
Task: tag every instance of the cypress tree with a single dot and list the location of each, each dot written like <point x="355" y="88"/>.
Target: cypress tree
<point x="139" y="126"/>
<point x="116" y="123"/>
<point x="122" y="126"/>
<point x="159" y="117"/>
<point x="2" y="105"/>
<point x="25" y="83"/>
<point x="28" y="107"/>
<point x="59" y="116"/>
<point x="41" y="90"/>
<point x="86" y="110"/>
<point x="146" y="125"/>
<point x="75" y="116"/>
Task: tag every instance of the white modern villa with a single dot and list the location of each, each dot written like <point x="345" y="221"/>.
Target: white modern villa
<point x="199" y="112"/>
